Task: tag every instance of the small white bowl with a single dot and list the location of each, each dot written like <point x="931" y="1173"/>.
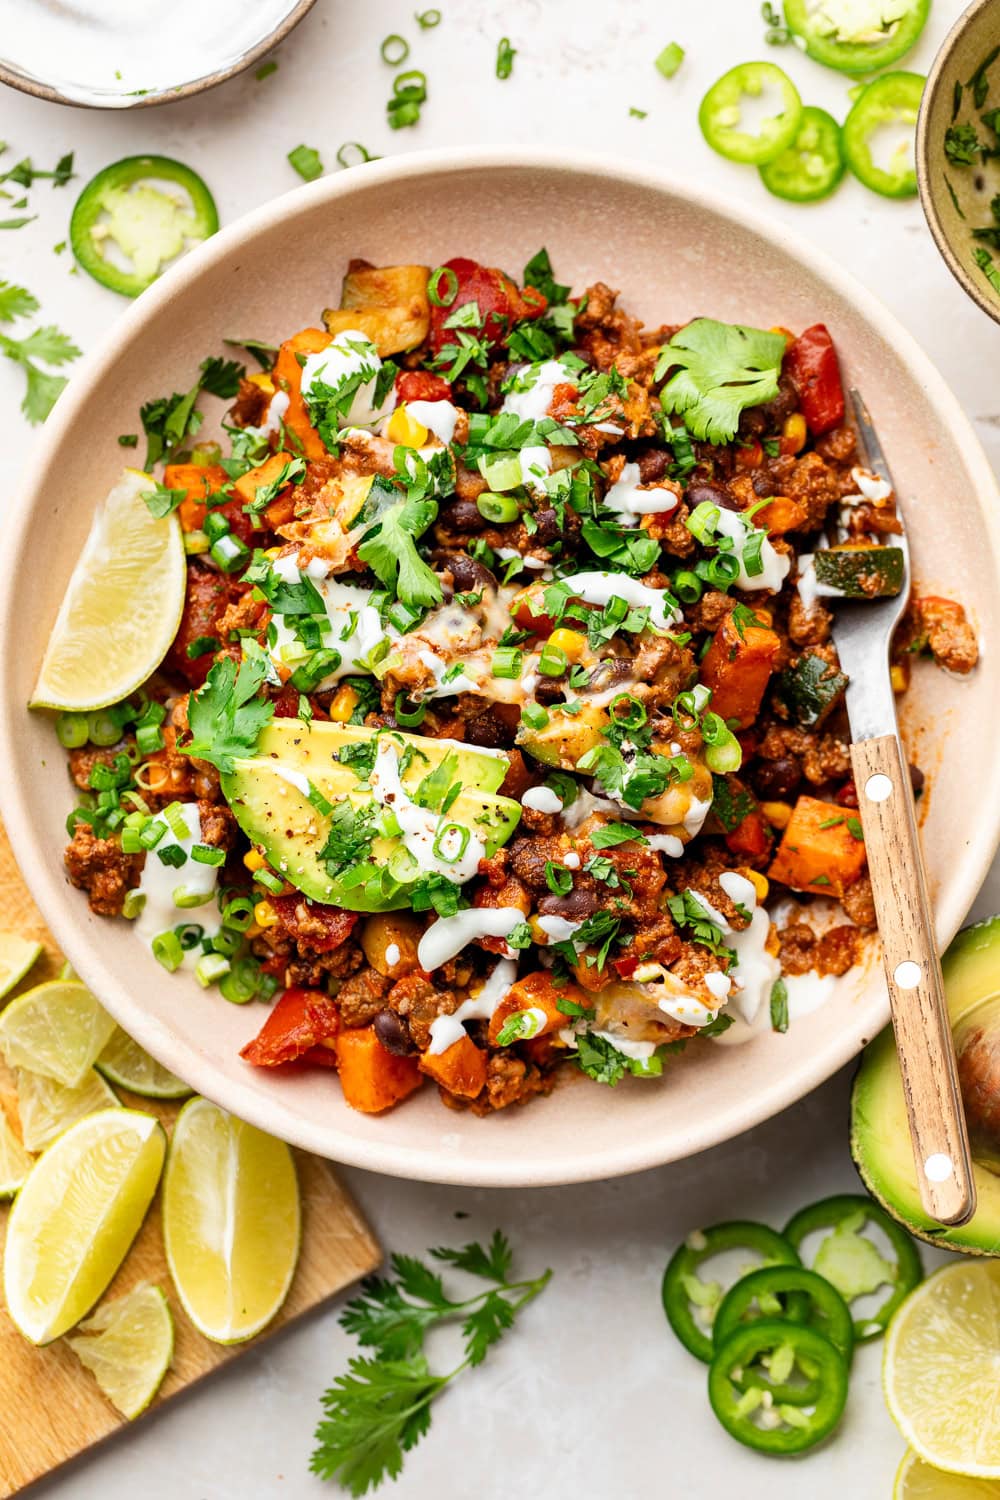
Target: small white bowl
<point x="675" y="251"/>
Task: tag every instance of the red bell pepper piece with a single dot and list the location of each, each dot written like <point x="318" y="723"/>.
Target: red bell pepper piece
<point x="501" y="304"/>
<point x="421" y="385"/>
<point x="751" y="838"/>
<point x="811" y="361"/>
<point x="317" y="927"/>
<point x="301" y="1022"/>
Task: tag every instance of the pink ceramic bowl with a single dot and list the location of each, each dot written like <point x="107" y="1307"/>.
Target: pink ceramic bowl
<point x="675" y="252"/>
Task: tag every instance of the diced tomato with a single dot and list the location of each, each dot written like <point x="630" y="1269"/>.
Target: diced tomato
<point x="626" y="966"/>
<point x="208" y="594"/>
<point x="286" y="704"/>
<point x="421" y="385"/>
<point x="811" y="361"/>
<point x="749" y="456"/>
<point x="751" y="838"/>
<point x="319" y="928"/>
<point x="500" y="303"/>
<point x="522" y="612"/>
<point x="296" y="1029"/>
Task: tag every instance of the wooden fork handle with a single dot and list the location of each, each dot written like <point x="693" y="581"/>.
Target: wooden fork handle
<point x="913" y="974"/>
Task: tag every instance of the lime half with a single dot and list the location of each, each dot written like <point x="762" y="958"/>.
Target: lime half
<point x="76" y="1216"/>
<point x="124" y="1063"/>
<point x="122" y="607"/>
<point x="127" y="1345"/>
<point x="56" y="1029"/>
<point x="231" y="1222"/>
<point x="47" y="1108"/>
<point x="17" y="954"/>
<point x="916" y="1480"/>
<point x="940" y="1369"/>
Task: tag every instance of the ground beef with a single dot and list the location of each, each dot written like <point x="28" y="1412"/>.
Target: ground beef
<point x="418" y="1002"/>
<point x="314" y="971"/>
<point x="940" y="627"/>
<point x="244" y="613"/>
<point x="99" y="867"/>
<point x="701" y="873"/>
<point x="834" y="953"/>
<point x="83" y="760"/>
<point x="810" y="481"/>
<point x="821" y="757"/>
<point x="509" y="1080"/>
<point x="218" y="826"/>
<point x="669" y="530"/>
<point x="657" y="941"/>
<point x="361" y="997"/>
<point x="808" y="627"/>
<point x="710" y="611"/>
<point x="858" y="904"/>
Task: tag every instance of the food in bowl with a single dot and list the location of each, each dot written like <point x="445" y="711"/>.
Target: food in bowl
<point x="503" y="697"/>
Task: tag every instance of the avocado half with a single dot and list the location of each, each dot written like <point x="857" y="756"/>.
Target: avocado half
<point x="880" y="1137"/>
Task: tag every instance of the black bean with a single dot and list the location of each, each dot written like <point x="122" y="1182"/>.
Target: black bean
<point x="392" y="1033"/>
<point x="714" y="494"/>
<point x="581" y="902"/>
<point x="469" y="575"/>
<point x="775" y="780"/>
<point x="464" y="515"/>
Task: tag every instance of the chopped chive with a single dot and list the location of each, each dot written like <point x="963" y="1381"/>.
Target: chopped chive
<point x="305" y="160"/>
<point x="670" y="59"/>
<point x="505" y="57"/>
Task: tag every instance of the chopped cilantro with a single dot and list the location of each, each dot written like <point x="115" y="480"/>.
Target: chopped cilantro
<point x="225" y="715"/>
<point x="719" y="370"/>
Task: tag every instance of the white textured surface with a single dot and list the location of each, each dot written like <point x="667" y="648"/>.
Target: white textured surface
<point x="591" y="1397"/>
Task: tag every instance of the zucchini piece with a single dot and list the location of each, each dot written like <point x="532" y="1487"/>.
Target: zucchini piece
<point x="860" y="572"/>
<point x="811" y="688"/>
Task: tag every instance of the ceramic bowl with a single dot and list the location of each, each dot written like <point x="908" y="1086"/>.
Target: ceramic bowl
<point x="675" y="251"/>
<point x="212" y="62"/>
<point x="956" y="199"/>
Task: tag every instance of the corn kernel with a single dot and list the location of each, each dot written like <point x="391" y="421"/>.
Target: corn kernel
<point x="772" y="943"/>
<point x="343" y="704"/>
<point x="778" y="814"/>
<point x="785" y="333"/>
<point x="272" y="553"/>
<point x="402" y="428"/>
<point x="758" y="881"/>
<point x="793" y="433"/>
<point x="765" y="616"/>
<point x="573" y="642"/>
<point x="264" y="914"/>
<point x="264" y="381"/>
<point x="254" y="860"/>
<point x="900" y="674"/>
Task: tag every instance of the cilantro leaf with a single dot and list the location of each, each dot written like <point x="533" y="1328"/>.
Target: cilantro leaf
<point x="601" y="1061"/>
<point x="493" y="1263"/>
<point x="47" y="344"/>
<point x="373" y="1415"/>
<point x="719" y="369"/>
<point x="225" y="715"/>
<point x="168" y="420"/>
<point x="391" y="552"/>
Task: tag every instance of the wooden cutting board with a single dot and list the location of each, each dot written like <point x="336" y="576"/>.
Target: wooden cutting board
<point x="50" y="1407"/>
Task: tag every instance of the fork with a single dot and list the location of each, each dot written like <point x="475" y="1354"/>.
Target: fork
<point x="862" y="633"/>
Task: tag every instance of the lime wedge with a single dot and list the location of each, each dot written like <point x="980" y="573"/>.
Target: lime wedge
<point x="15" y="1162"/>
<point x="916" y="1480"/>
<point x="17" y="954"/>
<point x="127" y="1345"/>
<point x="125" y="1063"/>
<point x="940" y="1369"/>
<point x="47" y="1108"/>
<point x="76" y="1216"/>
<point x="231" y="1222"/>
<point x="122" y="607"/>
<point x="57" y="1029"/>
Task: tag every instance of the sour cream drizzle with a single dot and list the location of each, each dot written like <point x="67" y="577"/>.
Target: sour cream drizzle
<point x="159" y="882"/>
<point x="447" y="1030"/>
<point x="775" y="565"/>
<point x="448" y="935"/>
<point x="631" y="503"/>
<point x="349" y="610"/>
<point x="533" y="388"/>
<point x="438" y="417"/>
<point x="350" y="353"/>
<point x="601" y="588"/>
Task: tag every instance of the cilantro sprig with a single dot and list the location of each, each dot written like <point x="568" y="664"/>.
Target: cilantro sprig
<point x="719" y="369"/>
<point x="381" y="1408"/>
<point x="46" y="344"/>
<point x="168" y="420"/>
<point x="226" y="715"/>
<point x="390" y="550"/>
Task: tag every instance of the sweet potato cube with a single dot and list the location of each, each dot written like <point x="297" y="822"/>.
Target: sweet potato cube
<point x="818" y="852"/>
<point x="537" y="992"/>
<point x="372" y="1078"/>
<point x="461" y="1068"/>
<point x="287" y="376"/>
<point x="737" y="668"/>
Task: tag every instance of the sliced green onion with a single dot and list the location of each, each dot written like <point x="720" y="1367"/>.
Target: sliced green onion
<point x="533" y="715"/>
<point x="149" y="738"/>
<point x="402" y="865"/>
<point x="167" y="950"/>
<point x="208" y="854"/>
<point x="240" y="984"/>
<point x="500" y="509"/>
<point x="364" y="154"/>
<point x="703" y="522"/>
<point x="502" y="471"/>
<point x="753" y="561"/>
<point x="305" y="160"/>
<point x="185" y="897"/>
<point x="132" y="840"/>
<point x="409" y="718"/>
<point x="402" y="114"/>
<point x="172" y="855"/>
<point x="434" y="294"/>
<point x="311" y="673"/>
<point x="195" y="543"/>
<point x="269" y="881"/>
<point x="670" y="59"/>
<point x="505" y="57"/>
<point x="209" y="968"/>
<point x="508" y="662"/>
<point x="448" y="832"/>
<point x="395" y="49"/>
<point x="634" y="715"/>
<point x="175" y="819"/>
<point x="402" y="87"/>
<point x="226" y="942"/>
<point x="133" y="903"/>
<point x="722" y="753"/>
<point x="189" y="934"/>
<point x="686" y="586"/>
<point x="238" y="913"/>
<point x="151" y="835"/>
<point x="103" y="728"/>
<point x="720" y="571"/>
<point x="428" y="19"/>
<point x="216" y="525"/>
<point x="72" y="730"/>
<point x="553" y="661"/>
<point x="229" y="553"/>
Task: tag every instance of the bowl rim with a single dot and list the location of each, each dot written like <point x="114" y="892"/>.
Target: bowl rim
<point x="39" y="90"/>
<point x="935" y="81"/>
<point x="45" y="880"/>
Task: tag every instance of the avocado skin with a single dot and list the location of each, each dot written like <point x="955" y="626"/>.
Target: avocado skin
<point x="880" y="1138"/>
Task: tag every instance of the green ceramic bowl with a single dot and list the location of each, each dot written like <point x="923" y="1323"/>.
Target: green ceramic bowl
<point x="956" y="197"/>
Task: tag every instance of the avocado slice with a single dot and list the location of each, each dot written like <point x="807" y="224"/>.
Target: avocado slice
<point x="288" y="804"/>
<point x="880" y="1137"/>
<point x="312" y="748"/>
<point x="565" y="737"/>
